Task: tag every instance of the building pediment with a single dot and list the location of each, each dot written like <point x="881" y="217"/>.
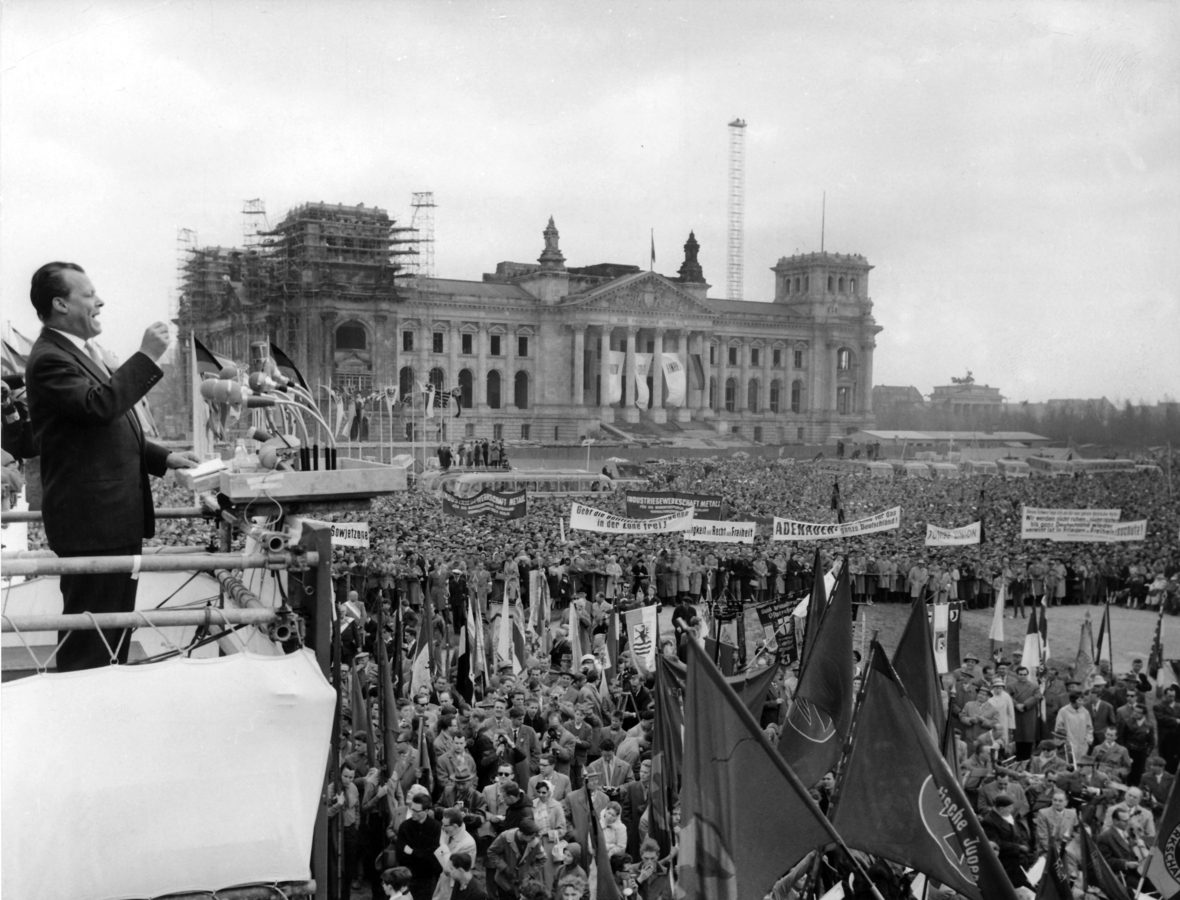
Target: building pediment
<point x="644" y="292"/>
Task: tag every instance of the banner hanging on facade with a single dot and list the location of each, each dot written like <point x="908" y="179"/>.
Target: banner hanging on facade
<point x="790" y="530"/>
<point x="502" y="505"/>
<point x="617" y="360"/>
<point x="1078" y="525"/>
<point x="587" y="518"/>
<point x="654" y="504"/>
<point x="722" y="532"/>
<point x="640" y="372"/>
<point x="674" y="377"/>
<point x="952" y="537"/>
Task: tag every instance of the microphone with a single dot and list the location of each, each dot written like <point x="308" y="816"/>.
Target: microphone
<point x="257" y="434"/>
<point x="259" y="354"/>
<point x="260" y="383"/>
<point x="229" y="372"/>
<point x="255" y="402"/>
<point x="221" y="391"/>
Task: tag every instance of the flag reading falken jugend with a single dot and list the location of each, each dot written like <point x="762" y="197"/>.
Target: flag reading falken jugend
<point x="899" y="799"/>
<point x="746" y="817"/>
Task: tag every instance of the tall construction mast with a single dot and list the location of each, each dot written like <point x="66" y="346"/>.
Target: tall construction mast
<point x="254" y="223"/>
<point x="735" y="263"/>
<point x="423" y="223"/>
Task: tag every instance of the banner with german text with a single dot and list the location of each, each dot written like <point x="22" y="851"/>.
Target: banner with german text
<point x="722" y="532"/>
<point x="654" y="504"/>
<point x="587" y="518"/>
<point x="790" y="530"/>
<point x="1078" y="525"/>
<point x="501" y="505"/>
<point x="952" y="537"/>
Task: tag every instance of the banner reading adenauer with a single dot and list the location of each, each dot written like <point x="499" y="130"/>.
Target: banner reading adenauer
<point x="587" y="518"/>
<point x="790" y="530"/>
<point x="653" y="504"/>
<point x="511" y="505"/>
<point x="722" y="532"/>
<point x="952" y="537"/>
<point x="1081" y="525"/>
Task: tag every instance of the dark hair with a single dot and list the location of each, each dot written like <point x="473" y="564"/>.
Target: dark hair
<point x="606" y="745"/>
<point x="461" y="861"/>
<point x="512" y="789"/>
<point x="400" y="877"/>
<point x="49" y="282"/>
<point x="453" y="816"/>
<point x="445" y="722"/>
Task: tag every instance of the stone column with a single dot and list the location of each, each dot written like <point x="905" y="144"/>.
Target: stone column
<point x="605" y="411"/>
<point x="579" y="365"/>
<point x="684" y="413"/>
<point x="658" y="413"/>
<point x="425" y="338"/>
<point x="767" y="374"/>
<point x="481" y="365"/>
<point x="744" y="378"/>
<point x="630" y="411"/>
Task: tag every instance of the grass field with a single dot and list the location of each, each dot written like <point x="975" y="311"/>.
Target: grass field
<point x="1133" y="631"/>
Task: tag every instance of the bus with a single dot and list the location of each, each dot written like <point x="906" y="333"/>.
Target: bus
<point x="1049" y="467"/>
<point x="1013" y="468"/>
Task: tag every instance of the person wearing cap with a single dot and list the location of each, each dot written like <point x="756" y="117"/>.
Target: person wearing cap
<point x="1111" y="758"/>
<point x="1156" y="784"/>
<point x="577" y="810"/>
<point x="463" y="794"/>
<point x="514" y="858"/>
<point x="1005" y="710"/>
<point x="1009" y="833"/>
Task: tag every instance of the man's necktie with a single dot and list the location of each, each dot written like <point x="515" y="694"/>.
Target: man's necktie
<point x="95" y="354"/>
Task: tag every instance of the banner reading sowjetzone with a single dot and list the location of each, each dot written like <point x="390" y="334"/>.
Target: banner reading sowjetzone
<point x="1079" y="525"/>
<point x="654" y="504"/>
<point x="587" y="518"/>
<point x="790" y="530"/>
<point x="722" y="532"/>
<point x="512" y="505"/>
<point x="952" y="537"/>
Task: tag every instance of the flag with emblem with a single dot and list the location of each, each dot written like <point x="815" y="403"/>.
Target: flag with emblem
<point x="746" y="817"/>
<point x="895" y="773"/>
<point x="1163" y="868"/>
<point x="819" y="719"/>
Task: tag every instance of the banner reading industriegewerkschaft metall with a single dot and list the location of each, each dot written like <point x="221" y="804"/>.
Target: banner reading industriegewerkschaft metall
<point x="501" y="505"/>
<point x="790" y="530"/>
<point x="654" y="504"/>
<point x="587" y="518"/>
<point x="1079" y="525"/>
<point x="952" y="537"/>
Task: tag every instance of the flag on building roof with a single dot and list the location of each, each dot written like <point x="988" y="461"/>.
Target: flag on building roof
<point x="895" y="774"/>
<point x="818" y="722"/>
<point x="746" y="816"/>
<point x="913" y="660"/>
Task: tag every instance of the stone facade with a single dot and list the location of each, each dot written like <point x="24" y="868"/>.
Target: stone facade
<point x="526" y="344"/>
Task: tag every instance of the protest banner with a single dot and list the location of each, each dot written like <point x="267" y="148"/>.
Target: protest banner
<point x="502" y="505"/>
<point x="952" y="537"/>
<point x="587" y="518"/>
<point x="1078" y="525"/>
<point x="350" y="534"/>
<point x="777" y="618"/>
<point x="790" y="530"/>
<point x="723" y="532"/>
<point x="654" y="504"/>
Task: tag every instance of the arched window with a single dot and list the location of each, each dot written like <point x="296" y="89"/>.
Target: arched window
<point x="831" y="283"/>
<point x="796" y="284"/>
<point x="843" y="359"/>
<point x="438" y="379"/>
<point x="521" y="390"/>
<point x="852" y="285"/>
<point x="351" y="336"/>
<point x="405" y="382"/>
<point x="493" y="389"/>
<point x="775" y="396"/>
<point x="752" y="392"/>
<point x="806" y="283"/>
<point x="730" y="394"/>
<point x="467" y="395"/>
<point x="841" y="284"/>
<point x="796" y="396"/>
<point x="712" y="393"/>
<point x="787" y="287"/>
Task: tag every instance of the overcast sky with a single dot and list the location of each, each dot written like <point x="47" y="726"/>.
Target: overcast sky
<point x="1011" y="170"/>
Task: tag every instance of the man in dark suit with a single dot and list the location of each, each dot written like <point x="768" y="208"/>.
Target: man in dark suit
<point x="1009" y="833"/>
<point x="95" y="459"/>
<point x="1117" y="846"/>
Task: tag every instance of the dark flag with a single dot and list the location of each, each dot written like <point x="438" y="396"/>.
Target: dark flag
<point x="1155" y="659"/>
<point x="1096" y="870"/>
<point x="1163" y="867"/>
<point x="954" y="627"/>
<point x="751" y="686"/>
<point x="982" y="517"/>
<point x="605" y="881"/>
<point x="386" y="696"/>
<point x="815" y="607"/>
<point x="747" y="818"/>
<point x="1054" y="883"/>
<point x="819" y="719"/>
<point x="667" y="752"/>
<point x="1105" y="635"/>
<point x="286" y="366"/>
<point x="207" y="361"/>
<point x="464" y="683"/>
<point x="397" y="664"/>
<point x="915" y="666"/>
<point x="360" y="713"/>
<point x="895" y="774"/>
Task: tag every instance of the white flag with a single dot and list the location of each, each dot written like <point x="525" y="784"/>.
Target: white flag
<point x="674" y="377"/>
<point x="639" y="373"/>
<point x="614" y="386"/>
